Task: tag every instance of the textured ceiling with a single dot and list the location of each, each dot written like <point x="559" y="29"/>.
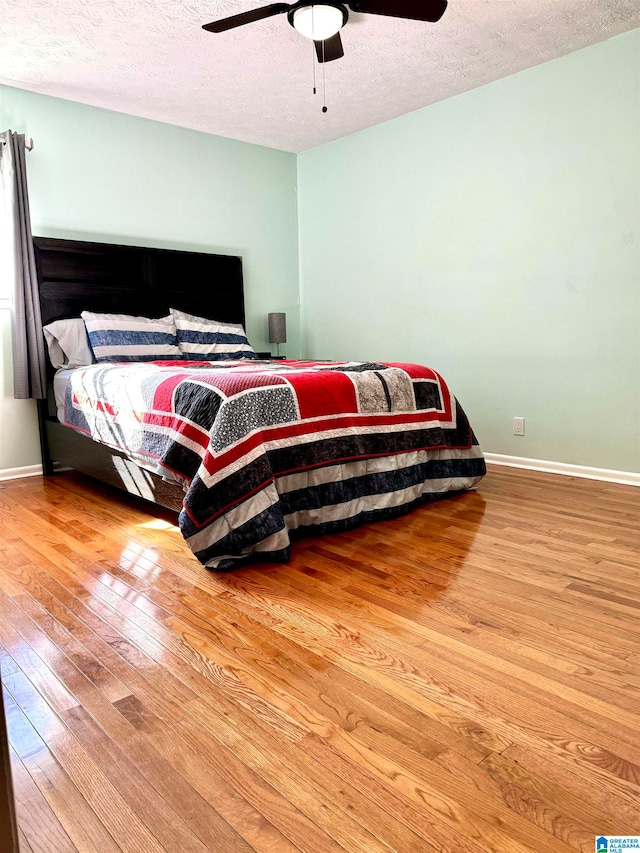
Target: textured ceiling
<point x="151" y="58"/>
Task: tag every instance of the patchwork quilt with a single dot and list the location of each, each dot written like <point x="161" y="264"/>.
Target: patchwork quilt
<point x="266" y="450"/>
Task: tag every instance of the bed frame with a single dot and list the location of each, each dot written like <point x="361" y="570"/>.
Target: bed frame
<point x="76" y="276"/>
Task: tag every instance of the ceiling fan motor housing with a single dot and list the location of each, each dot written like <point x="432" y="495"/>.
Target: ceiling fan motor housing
<point x="303" y="22"/>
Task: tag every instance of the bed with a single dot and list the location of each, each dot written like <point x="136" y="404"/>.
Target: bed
<point x="250" y="453"/>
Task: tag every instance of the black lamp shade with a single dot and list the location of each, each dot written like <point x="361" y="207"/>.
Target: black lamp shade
<point x="277" y="328"/>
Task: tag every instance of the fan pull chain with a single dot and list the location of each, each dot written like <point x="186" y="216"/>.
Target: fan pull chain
<point x="324" y="81"/>
<point x="313" y="56"/>
<point x="324" y="78"/>
<point x="313" y="49"/>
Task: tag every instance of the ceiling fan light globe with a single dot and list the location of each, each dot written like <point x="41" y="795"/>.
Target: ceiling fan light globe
<point x="318" y="22"/>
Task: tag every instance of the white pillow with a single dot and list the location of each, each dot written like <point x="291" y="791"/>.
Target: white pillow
<point x="68" y="343"/>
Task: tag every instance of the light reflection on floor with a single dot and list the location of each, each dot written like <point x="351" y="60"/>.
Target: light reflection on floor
<point x="158" y="524"/>
<point x="135" y="556"/>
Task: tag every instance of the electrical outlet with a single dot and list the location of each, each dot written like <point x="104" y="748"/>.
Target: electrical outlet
<point x="518" y="426"/>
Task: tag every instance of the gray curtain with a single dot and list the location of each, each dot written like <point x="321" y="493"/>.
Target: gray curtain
<point x="29" y="374"/>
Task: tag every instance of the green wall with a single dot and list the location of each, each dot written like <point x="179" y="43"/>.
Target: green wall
<point x="106" y="176"/>
<point x="494" y="236"/>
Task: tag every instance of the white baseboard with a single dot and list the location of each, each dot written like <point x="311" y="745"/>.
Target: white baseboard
<point x="627" y="478"/>
<point x="17" y="473"/>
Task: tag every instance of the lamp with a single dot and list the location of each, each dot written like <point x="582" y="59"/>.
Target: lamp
<point x="319" y="21"/>
<point x="277" y="330"/>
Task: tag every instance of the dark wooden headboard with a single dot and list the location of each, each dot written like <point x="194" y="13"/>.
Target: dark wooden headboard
<point x="76" y="276"/>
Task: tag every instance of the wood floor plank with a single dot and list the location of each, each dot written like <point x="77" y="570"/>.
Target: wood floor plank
<point x="208" y="823"/>
<point x="158" y="773"/>
<point x="278" y="810"/>
<point x="608" y="795"/>
<point x="392" y="618"/>
<point x="98" y="633"/>
<point x="67" y="802"/>
<point x="329" y="812"/>
<point x="405" y="675"/>
<point x="197" y="768"/>
<point x="127" y="828"/>
<point x="464" y="677"/>
<point x="529" y="650"/>
<point x="342" y="699"/>
<point x="421" y="821"/>
<point x="453" y="799"/>
<point x="140" y="789"/>
<point x="35" y="816"/>
<point x="559" y="810"/>
<point x="239" y="727"/>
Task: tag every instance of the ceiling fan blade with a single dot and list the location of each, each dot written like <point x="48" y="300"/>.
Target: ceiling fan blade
<point x="415" y="10"/>
<point x="246" y="18"/>
<point x="333" y="49"/>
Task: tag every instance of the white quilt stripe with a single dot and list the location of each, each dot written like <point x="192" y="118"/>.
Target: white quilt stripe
<point x="365" y="503"/>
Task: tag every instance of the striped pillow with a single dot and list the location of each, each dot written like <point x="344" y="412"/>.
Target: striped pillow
<point x="121" y="337"/>
<point x="209" y="340"/>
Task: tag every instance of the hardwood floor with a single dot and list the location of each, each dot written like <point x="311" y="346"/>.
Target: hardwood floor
<point x="464" y="678"/>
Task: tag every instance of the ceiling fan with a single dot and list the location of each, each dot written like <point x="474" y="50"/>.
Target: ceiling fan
<point x="322" y="22"/>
